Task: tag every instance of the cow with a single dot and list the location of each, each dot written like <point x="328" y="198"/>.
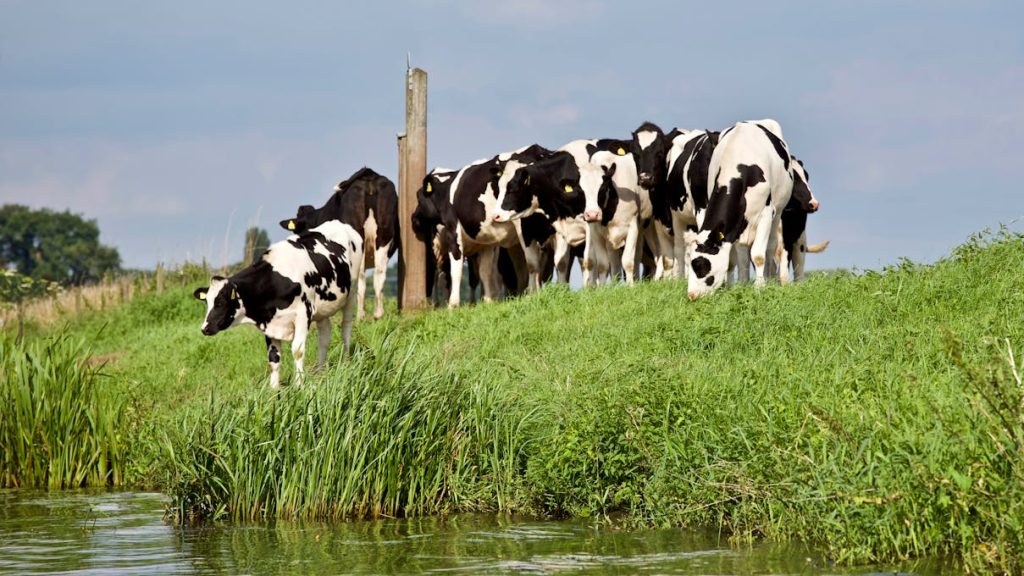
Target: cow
<point x="684" y="192"/>
<point x="466" y="212"/>
<point x="793" y="234"/>
<point x="368" y="202"/>
<point x="650" y="148"/>
<point x="554" y="187"/>
<point x="750" y="182"/>
<point x="302" y="280"/>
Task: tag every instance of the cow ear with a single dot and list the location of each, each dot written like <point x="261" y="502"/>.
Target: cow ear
<point x="497" y="170"/>
<point x="304" y="210"/>
<point x="234" y="294"/>
<point x="609" y="171"/>
<point x="200" y="293"/>
<point x="288" y="224"/>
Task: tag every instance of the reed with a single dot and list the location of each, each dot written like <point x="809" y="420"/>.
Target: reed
<point x="58" y="427"/>
<point x="381" y="436"/>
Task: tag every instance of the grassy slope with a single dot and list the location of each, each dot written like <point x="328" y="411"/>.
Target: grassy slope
<point x="832" y="410"/>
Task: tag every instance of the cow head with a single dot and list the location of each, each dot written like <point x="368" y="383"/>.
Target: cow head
<point x="802" y="194"/>
<point x="650" y="149"/>
<point x="427" y="215"/>
<point x="303" y="220"/>
<point x="709" y="265"/>
<point x="224" y="307"/>
<point x="599" y="191"/>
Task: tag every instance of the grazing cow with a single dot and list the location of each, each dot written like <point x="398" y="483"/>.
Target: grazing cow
<point x="467" y="212"/>
<point x="751" y="181"/>
<point x="304" y="279"/>
<point x="368" y="202"/>
<point x="684" y="192"/>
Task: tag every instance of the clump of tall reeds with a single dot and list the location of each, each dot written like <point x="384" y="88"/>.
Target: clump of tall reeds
<point x="58" y="429"/>
<point x="379" y="436"/>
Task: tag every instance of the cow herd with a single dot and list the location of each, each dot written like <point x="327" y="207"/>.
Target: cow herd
<point x="693" y="204"/>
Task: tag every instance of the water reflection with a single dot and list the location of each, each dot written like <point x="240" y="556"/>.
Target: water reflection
<point x="111" y="533"/>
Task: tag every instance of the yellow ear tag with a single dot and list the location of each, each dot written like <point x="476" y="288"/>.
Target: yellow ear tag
<point x="202" y="295"/>
<point x="568" y="188"/>
<point x="499" y="173"/>
<point x="234" y="295"/>
<point x="291" y="224"/>
<point x="621" y="151"/>
<point x="527" y="180"/>
<point x="721" y="236"/>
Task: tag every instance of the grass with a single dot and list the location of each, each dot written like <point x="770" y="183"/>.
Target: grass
<point x="879" y="415"/>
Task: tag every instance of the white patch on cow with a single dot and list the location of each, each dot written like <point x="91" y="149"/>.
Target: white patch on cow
<point x="646" y="138"/>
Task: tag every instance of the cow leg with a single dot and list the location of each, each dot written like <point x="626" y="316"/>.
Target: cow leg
<point x="347" y="314"/>
<point x="274" y="358"/>
<point x="660" y="239"/>
<point x="361" y="282"/>
<point x="740" y="260"/>
<point x="380" y="267"/>
<point x="563" y="258"/>
<point x="685" y="246"/>
<point x="488" y="260"/>
<point x="323" y="341"/>
<point x="797" y="255"/>
<point x="629" y="252"/>
<point x="299" y="346"/>
<point x="762" y="242"/>
<point x="456" y="273"/>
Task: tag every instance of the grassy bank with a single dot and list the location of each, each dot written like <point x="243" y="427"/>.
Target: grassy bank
<point x="879" y="415"/>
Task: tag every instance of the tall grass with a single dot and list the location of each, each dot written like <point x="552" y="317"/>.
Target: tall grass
<point x="382" y="436"/>
<point x="58" y="427"/>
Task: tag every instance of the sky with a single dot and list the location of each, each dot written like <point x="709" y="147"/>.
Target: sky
<point x="176" y="125"/>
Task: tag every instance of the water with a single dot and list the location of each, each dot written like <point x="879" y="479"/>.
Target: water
<point x="124" y="533"/>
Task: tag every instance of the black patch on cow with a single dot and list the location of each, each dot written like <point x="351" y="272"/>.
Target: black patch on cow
<point x="728" y="203"/>
<point x="701" y="266"/>
<point x="801" y="198"/>
<point x="710" y="280"/>
<point x="264" y="291"/>
<point x="778" y="144"/>
<point x="698" y="168"/>
<point x="273" y="353"/>
<point x="709" y="248"/>
<point x="793" y="223"/>
<point x="607" y="199"/>
<point x="612" y="145"/>
<point x="536" y="229"/>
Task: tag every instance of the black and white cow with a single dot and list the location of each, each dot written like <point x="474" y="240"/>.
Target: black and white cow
<point x="467" y="213"/>
<point x="683" y="193"/>
<point x="299" y="281"/>
<point x="793" y="234"/>
<point x="750" y="182"/>
<point x="368" y="202"/>
<point x="550" y="187"/>
<point x="615" y="221"/>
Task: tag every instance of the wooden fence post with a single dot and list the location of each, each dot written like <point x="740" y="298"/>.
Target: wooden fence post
<point x="412" y="167"/>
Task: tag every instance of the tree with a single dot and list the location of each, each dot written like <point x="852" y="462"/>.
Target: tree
<point x="56" y="246"/>
<point x="256" y="243"/>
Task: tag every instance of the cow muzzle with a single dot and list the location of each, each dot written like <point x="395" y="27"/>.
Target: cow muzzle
<point x="645" y="179"/>
<point x="592" y="216"/>
<point x="814" y="205"/>
<point x="207" y="330"/>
